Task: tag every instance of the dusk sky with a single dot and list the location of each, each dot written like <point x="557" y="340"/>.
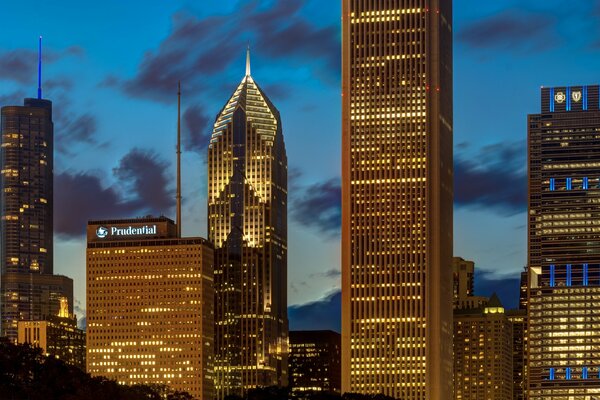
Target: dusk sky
<point x="111" y="69"/>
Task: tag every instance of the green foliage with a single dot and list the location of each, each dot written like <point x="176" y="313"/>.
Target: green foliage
<point x="25" y="374"/>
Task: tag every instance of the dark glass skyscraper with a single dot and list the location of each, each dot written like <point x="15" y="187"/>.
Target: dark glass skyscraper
<point x="564" y="245"/>
<point x="28" y="288"/>
<point x="247" y="222"/>
<point x="397" y="198"/>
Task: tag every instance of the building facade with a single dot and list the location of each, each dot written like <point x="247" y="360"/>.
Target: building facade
<point x="57" y="336"/>
<point x="150" y="305"/>
<point x="463" y="272"/>
<point x="315" y="362"/>
<point x="397" y="198"/>
<point x="564" y="245"/>
<point x="518" y="319"/>
<point x="483" y="353"/>
<point x="247" y="223"/>
<point x="28" y="288"/>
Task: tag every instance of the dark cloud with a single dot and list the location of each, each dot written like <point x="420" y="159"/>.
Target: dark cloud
<point x="330" y="273"/>
<point x="278" y="91"/>
<point x="73" y="129"/>
<point x="144" y="174"/>
<point x="198" y="49"/>
<point x="496" y="177"/>
<point x="506" y="288"/>
<point x="514" y="30"/>
<point x="12" y="99"/>
<point x="321" y="314"/>
<point x="79" y="197"/>
<point x="196" y="129"/>
<point x="320" y="207"/>
<point x="20" y="65"/>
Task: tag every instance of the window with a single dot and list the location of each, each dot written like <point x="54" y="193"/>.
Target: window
<point x="569" y="183"/>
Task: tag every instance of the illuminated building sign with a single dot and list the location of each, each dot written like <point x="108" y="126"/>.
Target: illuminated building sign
<point x="571" y="98"/>
<point x="102" y="232"/>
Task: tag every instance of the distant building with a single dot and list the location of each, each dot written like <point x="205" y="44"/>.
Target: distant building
<point x="518" y="319"/>
<point x="315" y="362"/>
<point x="28" y="288"/>
<point x="57" y="336"/>
<point x="564" y="245"/>
<point x="483" y="353"/>
<point x="247" y="223"/>
<point x="463" y="272"/>
<point x="150" y="305"/>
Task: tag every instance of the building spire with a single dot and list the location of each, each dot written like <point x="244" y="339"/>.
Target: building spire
<point x="248" y="61"/>
<point x="178" y="195"/>
<point x="40" y="69"/>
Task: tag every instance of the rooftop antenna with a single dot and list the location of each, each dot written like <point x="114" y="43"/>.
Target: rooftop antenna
<point x="40" y="69"/>
<point x="248" y="61"/>
<point x="178" y="195"/>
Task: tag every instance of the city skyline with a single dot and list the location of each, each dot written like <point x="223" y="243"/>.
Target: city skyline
<point x="93" y="122"/>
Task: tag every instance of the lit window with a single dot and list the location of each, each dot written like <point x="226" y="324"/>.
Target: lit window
<point x="569" y="184"/>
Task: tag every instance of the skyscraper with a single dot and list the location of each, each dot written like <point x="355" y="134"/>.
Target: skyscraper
<point x="564" y="245"/>
<point x="247" y="222"/>
<point x="28" y="288"/>
<point x="315" y="364"/>
<point x="483" y="356"/>
<point x="150" y="305"/>
<point x="397" y="198"/>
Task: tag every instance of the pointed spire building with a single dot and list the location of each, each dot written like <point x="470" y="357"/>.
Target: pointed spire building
<point x="247" y="218"/>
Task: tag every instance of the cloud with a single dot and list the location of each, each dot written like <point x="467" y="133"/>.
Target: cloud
<point x="320" y="207"/>
<point x="495" y="178"/>
<point x="512" y="30"/>
<point x="507" y="288"/>
<point x="73" y="129"/>
<point x="330" y="273"/>
<point x="321" y="314"/>
<point x="80" y="197"/>
<point x="20" y="65"/>
<point x="12" y="99"/>
<point x="196" y="130"/>
<point x="197" y="51"/>
<point x="143" y="173"/>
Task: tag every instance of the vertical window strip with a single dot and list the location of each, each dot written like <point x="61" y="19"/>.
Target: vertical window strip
<point x="552" y="184"/>
<point x="569" y="183"/>
<point x="585" y="183"/>
<point x="585" y="274"/>
<point x="552" y="276"/>
<point x="568" y="274"/>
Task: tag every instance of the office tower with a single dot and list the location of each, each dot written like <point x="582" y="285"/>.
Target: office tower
<point x="315" y="362"/>
<point x="247" y="223"/>
<point x="150" y="305"/>
<point x="564" y="242"/>
<point x="483" y="358"/>
<point x="57" y="335"/>
<point x="518" y="319"/>
<point x="397" y="198"/>
<point x="28" y="290"/>
<point x="463" y="273"/>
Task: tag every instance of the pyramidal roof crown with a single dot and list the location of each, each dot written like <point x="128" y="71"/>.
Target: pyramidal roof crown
<point x="259" y="109"/>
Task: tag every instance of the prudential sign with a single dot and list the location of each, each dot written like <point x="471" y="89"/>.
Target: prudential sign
<point x="102" y="232"/>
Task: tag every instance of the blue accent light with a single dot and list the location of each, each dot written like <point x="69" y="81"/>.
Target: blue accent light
<point x="568" y="99"/>
<point x="551" y="99"/>
<point x="568" y="373"/>
<point x="568" y="274"/>
<point x="585" y="274"/>
<point x="552" y="276"/>
<point x="585" y="183"/>
<point x="585" y="105"/>
<point x="551" y="183"/>
<point x="584" y="373"/>
<point x="569" y="183"/>
<point x="551" y="374"/>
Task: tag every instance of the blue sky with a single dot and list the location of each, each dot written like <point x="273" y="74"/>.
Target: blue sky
<point x="111" y="69"/>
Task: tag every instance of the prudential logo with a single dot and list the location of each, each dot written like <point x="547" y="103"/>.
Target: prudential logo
<point x="101" y="232"/>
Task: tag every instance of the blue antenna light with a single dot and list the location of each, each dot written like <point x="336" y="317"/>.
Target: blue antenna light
<point x="40" y="69"/>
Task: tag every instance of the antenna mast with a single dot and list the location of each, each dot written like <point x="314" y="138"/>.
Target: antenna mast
<point x="40" y="69"/>
<point x="178" y="196"/>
